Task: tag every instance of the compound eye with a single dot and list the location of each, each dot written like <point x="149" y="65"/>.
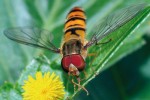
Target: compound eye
<point x="75" y="59"/>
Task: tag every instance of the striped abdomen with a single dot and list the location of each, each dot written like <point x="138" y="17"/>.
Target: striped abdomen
<point x="75" y="24"/>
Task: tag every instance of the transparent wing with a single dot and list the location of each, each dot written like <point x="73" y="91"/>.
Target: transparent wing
<point x="114" y="21"/>
<point x="32" y="36"/>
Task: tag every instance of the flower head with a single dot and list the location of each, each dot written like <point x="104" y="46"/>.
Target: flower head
<point x="46" y="87"/>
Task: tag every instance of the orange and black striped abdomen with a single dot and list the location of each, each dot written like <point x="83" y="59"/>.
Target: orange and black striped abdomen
<point x="75" y="24"/>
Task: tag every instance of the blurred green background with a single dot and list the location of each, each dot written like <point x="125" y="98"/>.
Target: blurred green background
<point x="128" y="78"/>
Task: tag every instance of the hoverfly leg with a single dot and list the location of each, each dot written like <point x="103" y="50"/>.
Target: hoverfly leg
<point x="74" y="85"/>
<point x="75" y="72"/>
<point x="79" y="82"/>
<point x="78" y="79"/>
<point x="103" y="42"/>
<point x="80" y="86"/>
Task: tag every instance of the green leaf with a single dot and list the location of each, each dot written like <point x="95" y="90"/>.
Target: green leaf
<point x="107" y="51"/>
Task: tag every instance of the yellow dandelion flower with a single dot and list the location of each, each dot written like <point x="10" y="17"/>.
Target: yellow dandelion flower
<point x="47" y="87"/>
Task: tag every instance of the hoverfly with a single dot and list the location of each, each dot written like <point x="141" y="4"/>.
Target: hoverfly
<point x="74" y="46"/>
